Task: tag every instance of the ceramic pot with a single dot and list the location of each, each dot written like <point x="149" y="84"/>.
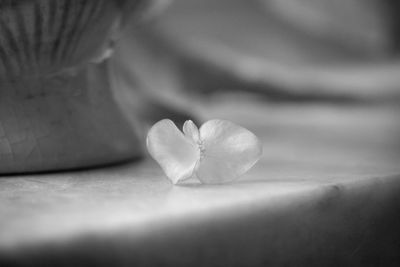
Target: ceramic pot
<point x="57" y="109"/>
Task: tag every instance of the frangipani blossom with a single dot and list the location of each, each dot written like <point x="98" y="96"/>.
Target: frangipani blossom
<point x="219" y="152"/>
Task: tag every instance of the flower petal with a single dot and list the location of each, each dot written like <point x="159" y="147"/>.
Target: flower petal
<point x="228" y="151"/>
<point x="191" y="131"/>
<point x="176" y="154"/>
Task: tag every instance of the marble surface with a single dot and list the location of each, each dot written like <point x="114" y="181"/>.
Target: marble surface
<point x="326" y="193"/>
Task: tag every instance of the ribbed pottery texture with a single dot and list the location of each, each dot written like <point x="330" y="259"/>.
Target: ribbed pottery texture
<point x="40" y="36"/>
<point x="57" y="106"/>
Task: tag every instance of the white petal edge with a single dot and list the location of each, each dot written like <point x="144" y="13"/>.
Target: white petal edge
<point x="191" y="131"/>
<point x="228" y="151"/>
<point x="174" y="152"/>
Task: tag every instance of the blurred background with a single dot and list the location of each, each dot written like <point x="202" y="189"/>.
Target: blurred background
<point x="318" y="81"/>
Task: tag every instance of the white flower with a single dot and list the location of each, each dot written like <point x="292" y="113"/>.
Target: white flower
<point x="219" y="152"/>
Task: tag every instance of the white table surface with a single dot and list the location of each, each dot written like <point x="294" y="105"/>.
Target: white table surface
<point x="326" y="192"/>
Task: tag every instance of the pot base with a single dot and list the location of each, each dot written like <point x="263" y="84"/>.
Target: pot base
<point x="65" y="121"/>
